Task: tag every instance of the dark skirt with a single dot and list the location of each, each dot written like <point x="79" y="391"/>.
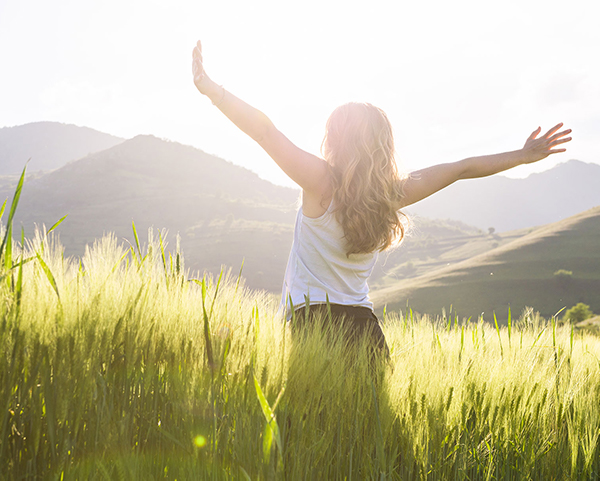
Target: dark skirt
<point x="355" y="322"/>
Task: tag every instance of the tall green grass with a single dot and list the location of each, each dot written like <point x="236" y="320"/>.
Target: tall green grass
<point x="119" y="365"/>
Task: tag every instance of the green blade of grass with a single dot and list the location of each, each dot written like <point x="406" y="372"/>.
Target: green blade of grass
<point x="8" y="249"/>
<point x="329" y="315"/>
<point x="538" y="337"/>
<point x="132" y="252"/>
<point x="207" y="337"/>
<point x="164" y="259"/>
<point x="57" y="223"/>
<point x="119" y="261"/>
<point x="24" y="261"/>
<point x="2" y="208"/>
<point x="379" y="444"/>
<point x="509" y="326"/>
<point x="137" y="240"/>
<point x="237" y="284"/>
<point x="267" y="443"/>
<point x="245" y="474"/>
<point x="49" y="275"/>
<point x="13" y="209"/>
<point x="19" y="286"/>
<point x="499" y="338"/>
<point x="271" y="426"/>
<point x="225" y="353"/>
<point x="216" y="292"/>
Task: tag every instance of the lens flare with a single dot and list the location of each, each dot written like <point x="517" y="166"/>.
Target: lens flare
<point x="200" y="441"/>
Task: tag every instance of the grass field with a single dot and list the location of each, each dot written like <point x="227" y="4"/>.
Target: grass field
<point x="118" y="366"/>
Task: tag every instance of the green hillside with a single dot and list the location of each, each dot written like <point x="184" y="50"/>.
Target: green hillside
<point x="518" y="274"/>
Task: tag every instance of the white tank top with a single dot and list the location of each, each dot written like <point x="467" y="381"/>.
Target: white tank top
<point x="318" y="268"/>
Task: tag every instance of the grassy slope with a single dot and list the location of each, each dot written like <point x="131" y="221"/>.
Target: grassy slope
<point x="517" y="274"/>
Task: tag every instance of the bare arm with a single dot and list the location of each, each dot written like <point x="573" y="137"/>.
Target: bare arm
<point x="423" y="183"/>
<point x="307" y="170"/>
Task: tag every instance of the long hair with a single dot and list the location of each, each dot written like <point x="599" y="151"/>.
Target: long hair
<point x="367" y="189"/>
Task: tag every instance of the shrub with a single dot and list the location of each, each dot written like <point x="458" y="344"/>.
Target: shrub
<point x="563" y="277"/>
<point x="577" y="313"/>
<point x="563" y="274"/>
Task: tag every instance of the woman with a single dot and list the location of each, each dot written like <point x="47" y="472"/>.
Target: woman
<point x="351" y="200"/>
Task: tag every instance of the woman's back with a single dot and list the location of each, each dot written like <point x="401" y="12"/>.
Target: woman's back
<point x="319" y="269"/>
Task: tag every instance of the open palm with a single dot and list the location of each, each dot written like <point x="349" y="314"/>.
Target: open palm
<point x="539" y="148"/>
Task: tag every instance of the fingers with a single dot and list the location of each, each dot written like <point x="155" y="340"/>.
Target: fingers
<point x="197" y="54"/>
<point x="551" y="137"/>
<point x="557" y="139"/>
<point x="540" y="148"/>
<point x="560" y="141"/>
<point x="197" y="67"/>
<point x="559" y="135"/>
<point x="552" y="130"/>
<point x="535" y="133"/>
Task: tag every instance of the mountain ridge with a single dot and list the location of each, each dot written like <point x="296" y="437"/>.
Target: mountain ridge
<point x="508" y="204"/>
<point x="49" y="145"/>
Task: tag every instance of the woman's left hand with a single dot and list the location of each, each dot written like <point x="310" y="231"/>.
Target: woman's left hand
<point x="539" y="148"/>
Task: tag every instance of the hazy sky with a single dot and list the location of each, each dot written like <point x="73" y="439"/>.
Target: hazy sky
<point x="456" y="78"/>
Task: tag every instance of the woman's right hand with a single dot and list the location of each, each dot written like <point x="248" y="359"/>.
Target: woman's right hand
<point x="307" y="170"/>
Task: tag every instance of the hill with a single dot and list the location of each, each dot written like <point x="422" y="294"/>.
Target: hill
<point x="509" y="204"/>
<point x="222" y="212"/>
<point x="49" y="145"/>
<point x="519" y="273"/>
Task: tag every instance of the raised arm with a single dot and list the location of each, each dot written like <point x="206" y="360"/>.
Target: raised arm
<point x="307" y="170"/>
<point x="423" y="183"/>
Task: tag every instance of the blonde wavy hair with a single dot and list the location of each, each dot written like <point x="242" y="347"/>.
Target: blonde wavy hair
<point x="367" y="188"/>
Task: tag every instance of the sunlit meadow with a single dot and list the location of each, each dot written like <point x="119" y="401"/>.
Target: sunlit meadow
<point x="123" y="365"/>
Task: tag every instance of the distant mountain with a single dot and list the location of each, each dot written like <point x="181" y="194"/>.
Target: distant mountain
<point x="49" y="145"/>
<point x="223" y="213"/>
<point x="518" y="274"/>
<point x="508" y="204"/>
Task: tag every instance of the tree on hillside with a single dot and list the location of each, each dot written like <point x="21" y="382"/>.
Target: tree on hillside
<point x="577" y="313"/>
<point x="563" y="277"/>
